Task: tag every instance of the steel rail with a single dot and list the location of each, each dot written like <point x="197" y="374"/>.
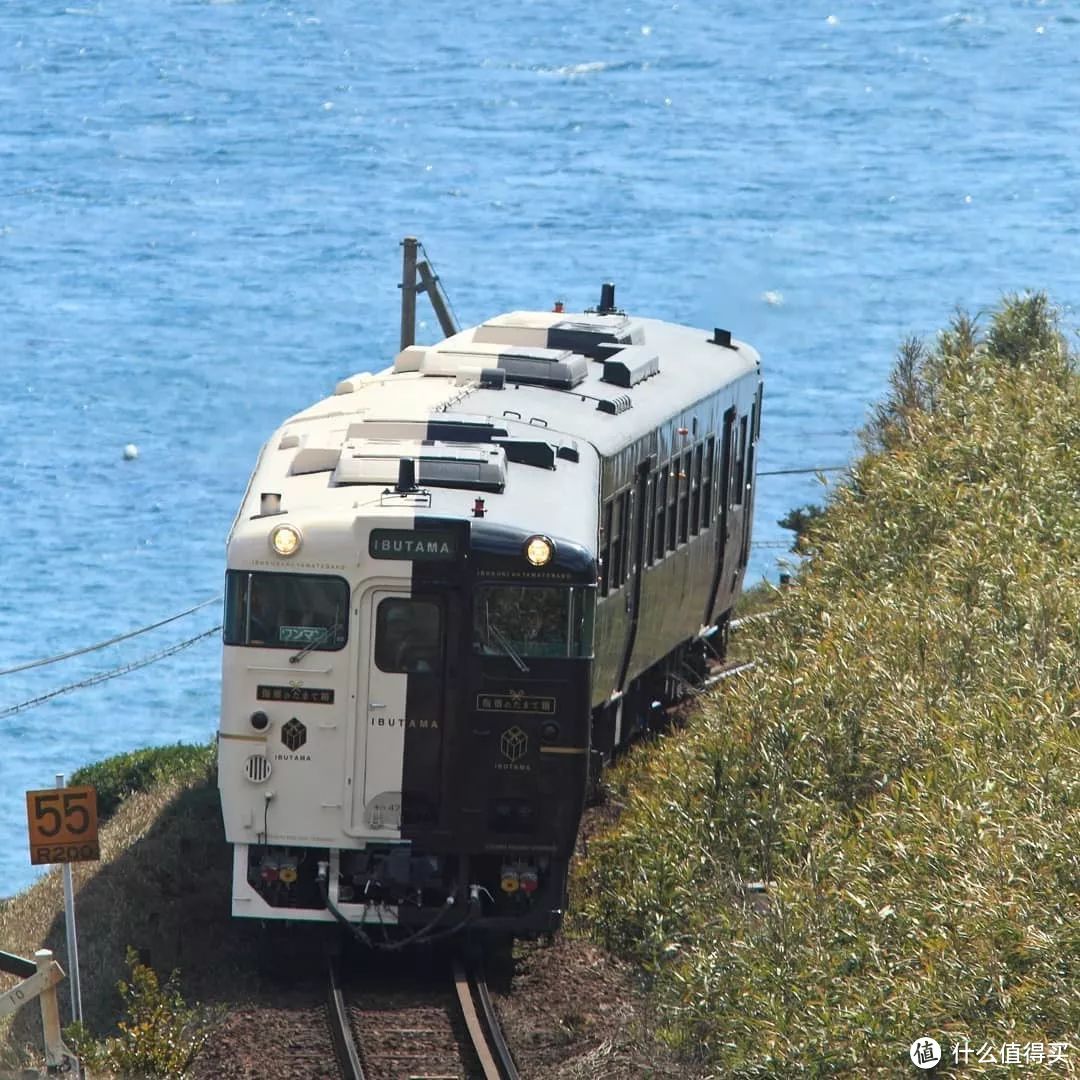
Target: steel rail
<point x="727" y="673"/>
<point x="340" y="1031"/>
<point x="757" y="616"/>
<point x="484" y="1028"/>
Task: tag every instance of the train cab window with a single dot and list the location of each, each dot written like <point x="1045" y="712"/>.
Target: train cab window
<point x="533" y="620"/>
<point x="286" y="611"/>
<point x="408" y="636"/>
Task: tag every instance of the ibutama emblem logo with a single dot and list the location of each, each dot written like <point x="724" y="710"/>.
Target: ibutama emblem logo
<point x="513" y="744"/>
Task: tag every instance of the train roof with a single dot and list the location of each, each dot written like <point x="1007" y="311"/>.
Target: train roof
<point x="546" y="392"/>
<point x="603" y="379"/>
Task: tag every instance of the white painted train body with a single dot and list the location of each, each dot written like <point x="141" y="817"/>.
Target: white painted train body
<point x="455" y="585"/>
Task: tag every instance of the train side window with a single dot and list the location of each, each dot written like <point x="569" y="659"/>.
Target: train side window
<point x="659" y="531"/>
<point x="755" y="420"/>
<point x="739" y="473"/>
<point x="674" y="483"/>
<point x="614" y="576"/>
<point x="648" y="519"/>
<point x="408" y="636"/>
<point x="707" y="481"/>
<point x="685" y="481"/>
<point x="627" y="500"/>
<point x="695" y="488"/>
<point x="723" y="475"/>
<point x="605" y="551"/>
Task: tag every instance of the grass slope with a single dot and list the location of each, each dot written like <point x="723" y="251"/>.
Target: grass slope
<point x="162" y="888"/>
<point x="904" y="767"/>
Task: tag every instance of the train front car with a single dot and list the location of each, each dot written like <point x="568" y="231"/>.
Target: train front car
<point x="456" y="584"/>
<point x="405" y="703"/>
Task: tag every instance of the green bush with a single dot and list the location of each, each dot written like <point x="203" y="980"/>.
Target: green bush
<point x="118" y="777"/>
<point x="159" y="1037"/>
<point x="900" y="772"/>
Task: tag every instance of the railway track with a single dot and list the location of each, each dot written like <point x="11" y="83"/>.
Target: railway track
<point x="419" y="1033"/>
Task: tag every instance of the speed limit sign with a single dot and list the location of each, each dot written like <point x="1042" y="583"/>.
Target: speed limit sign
<point x="63" y="825"/>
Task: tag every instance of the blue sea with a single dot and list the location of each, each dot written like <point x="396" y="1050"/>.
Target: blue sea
<point x="201" y="205"/>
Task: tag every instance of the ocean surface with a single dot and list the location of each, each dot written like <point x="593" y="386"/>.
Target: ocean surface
<point x="201" y="206"/>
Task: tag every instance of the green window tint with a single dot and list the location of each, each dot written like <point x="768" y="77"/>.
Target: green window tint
<point x="533" y="620"/>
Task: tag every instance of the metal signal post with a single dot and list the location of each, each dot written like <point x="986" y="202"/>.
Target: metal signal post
<point x="63" y="828"/>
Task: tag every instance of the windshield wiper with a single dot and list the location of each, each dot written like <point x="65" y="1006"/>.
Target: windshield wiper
<point x="314" y="642"/>
<point x="500" y="637"/>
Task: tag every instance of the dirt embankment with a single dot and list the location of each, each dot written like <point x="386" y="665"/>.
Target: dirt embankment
<point x="162" y="888"/>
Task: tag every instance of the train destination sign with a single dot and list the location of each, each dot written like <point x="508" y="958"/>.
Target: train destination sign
<point x="412" y="545"/>
<point x="308" y="695"/>
<point x="514" y="701"/>
<point x="63" y="825"/>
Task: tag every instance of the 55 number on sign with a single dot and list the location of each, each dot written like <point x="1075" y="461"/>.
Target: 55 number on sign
<point x="63" y="825"/>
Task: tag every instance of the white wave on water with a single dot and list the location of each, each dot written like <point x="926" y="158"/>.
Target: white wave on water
<point x="574" y="70"/>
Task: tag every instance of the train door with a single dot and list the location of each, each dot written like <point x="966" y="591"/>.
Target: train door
<point x="748" y="478"/>
<point x="723" y="521"/>
<point x="399" y="712"/>
<point x="636" y="530"/>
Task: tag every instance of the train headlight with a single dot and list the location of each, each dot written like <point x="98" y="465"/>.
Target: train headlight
<point x="538" y="550"/>
<point x="285" y="539"/>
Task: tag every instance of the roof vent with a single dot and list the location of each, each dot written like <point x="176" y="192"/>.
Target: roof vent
<point x="529" y="452"/>
<point x="435" y="464"/>
<point x="587" y="335"/>
<point x="615" y="405"/>
<point x="557" y="368"/>
<point x="630" y="366"/>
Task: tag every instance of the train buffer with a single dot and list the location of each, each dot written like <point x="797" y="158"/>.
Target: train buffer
<point x="39" y="979"/>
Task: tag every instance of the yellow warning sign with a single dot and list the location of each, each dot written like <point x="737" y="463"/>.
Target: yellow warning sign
<point x="63" y="825"/>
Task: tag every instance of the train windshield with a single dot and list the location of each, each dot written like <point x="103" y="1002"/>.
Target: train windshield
<point x="286" y="611"/>
<point x="531" y="620"/>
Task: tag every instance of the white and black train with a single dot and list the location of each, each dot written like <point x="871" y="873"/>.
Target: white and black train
<point x="454" y="587"/>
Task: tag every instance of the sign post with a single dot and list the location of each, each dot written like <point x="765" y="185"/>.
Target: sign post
<point x="63" y="829"/>
<point x="72" y="933"/>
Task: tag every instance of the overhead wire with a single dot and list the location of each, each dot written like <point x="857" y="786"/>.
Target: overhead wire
<point x="796" y="472"/>
<point x="104" y="676"/>
<point x="111" y="641"/>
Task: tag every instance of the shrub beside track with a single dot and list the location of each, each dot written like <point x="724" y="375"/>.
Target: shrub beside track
<point x="899" y="774"/>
